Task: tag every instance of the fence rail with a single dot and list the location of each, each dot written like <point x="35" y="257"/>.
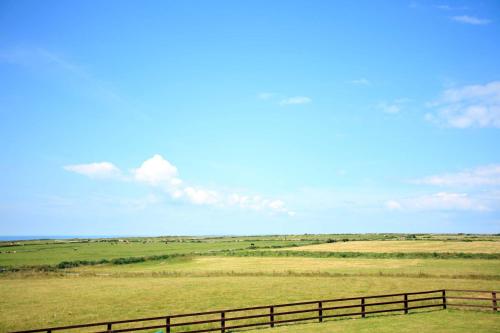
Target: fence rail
<point x="288" y="312"/>
<point x="483" y="295"/>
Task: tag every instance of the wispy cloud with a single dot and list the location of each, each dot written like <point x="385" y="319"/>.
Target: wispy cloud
<point x="468" y="190"/>
<point x="158" y="172"/>
<point x="389" y="108"/>
<point x="282" y="99"/>
<point x="468" y="106"/>
<point x="295" y="100"/>
<point x="393" y="107"/>
<point x="42" y="58"/>
<point x="361" y="82"/>
<point x="266" y="95"/>
<point x="95" y="170"/>
<point x="447" y="7"/>
<point x="441" y="201"/>
<point x="470" y="20"/>
<point x="488" y="175"/>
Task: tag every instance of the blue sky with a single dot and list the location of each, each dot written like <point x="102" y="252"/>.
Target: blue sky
<point x="256" y="117"/>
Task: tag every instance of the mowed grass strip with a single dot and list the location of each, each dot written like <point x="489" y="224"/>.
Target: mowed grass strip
<point x="404" y="246"/>
<point x="276" y="265"/>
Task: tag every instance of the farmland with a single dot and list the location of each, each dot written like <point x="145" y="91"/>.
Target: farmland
<point x="406" y="246"/>
<point x="139" y="277"/>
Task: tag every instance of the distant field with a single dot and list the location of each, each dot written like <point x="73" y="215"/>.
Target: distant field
<point x="406" y="246"/>
<point x="277" y="265"/>
<point x="39" y="253"/>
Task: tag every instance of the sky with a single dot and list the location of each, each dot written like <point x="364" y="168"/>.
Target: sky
<point x="249" y="117"/>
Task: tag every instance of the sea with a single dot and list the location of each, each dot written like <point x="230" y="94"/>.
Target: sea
<point x="27" y="237"/>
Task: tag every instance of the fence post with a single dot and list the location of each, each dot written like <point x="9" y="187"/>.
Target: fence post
<point x="363" y="315"/>
<point x="444" y="299"/>
<point x="494" y="296"/>
<point x="320" y="311"/>
<point x="167" y="327"/>
<point x="406" y="303"/>
<point x="109" y="327"/>
<point x="271" y="315"/>
<point x="222" y="321"/>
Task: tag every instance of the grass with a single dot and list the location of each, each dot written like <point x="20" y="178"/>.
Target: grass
<point x="367" y="255"/>
<point x="78" y="252"/>
<point x="405" y="246"/>
<point x="449" y="321"/>
<point x="143" y="277"/>
<point x="52" y="253"/>
<point x="313" y="266"/>
<point x="45" y="301"/>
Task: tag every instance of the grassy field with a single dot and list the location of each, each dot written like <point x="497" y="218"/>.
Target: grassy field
<point x="406" y="246"/>
<point x="198" y="274"/>
<point x="200" y="266"/>
<point x="443" y="322"/>
<point x="43" y="301"/>
<point x="40" y="253"/>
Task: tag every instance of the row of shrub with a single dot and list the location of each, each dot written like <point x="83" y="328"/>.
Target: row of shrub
<point x="78" y="263"/>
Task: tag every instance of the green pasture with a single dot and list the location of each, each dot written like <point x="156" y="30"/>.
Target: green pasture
<point x="38" y="301"/>
<point x="448" y="321"/>
<point x="50" y="253"/>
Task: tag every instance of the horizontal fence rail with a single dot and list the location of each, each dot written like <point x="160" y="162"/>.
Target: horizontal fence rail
<point x="271" y="315"/>
<point x="472" y="299"/>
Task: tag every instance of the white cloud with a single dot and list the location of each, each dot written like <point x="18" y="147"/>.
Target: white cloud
<point x="488" y="175"/>
<point x="393" y="107"/>
<point x="444" y="7"/>
<point x="200" y="196"/>
<point x="481" y="184"/>
<point x="256" y="202"/>
<point x="468" y="106"/>
<point x="440" y="201"/>
<point x="277" y="205"/>
<point x="157" y="171"/>
<point x="361" y="81"/>
<point x="470" y="20"/>
<point x="95" y="170"/>
<point x="389" y="108"/>
<point x="451" y="8"/>
<point x="393" y="205"/>
<point x="265" y="95"/>
<point x="296" y="100"/>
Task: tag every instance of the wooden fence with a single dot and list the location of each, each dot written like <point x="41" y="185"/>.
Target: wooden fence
<point x="271" y="315"/>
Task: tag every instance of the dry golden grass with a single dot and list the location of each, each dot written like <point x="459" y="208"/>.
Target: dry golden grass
<point x="280" y="265"/>
<point x="405" y="246"/>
